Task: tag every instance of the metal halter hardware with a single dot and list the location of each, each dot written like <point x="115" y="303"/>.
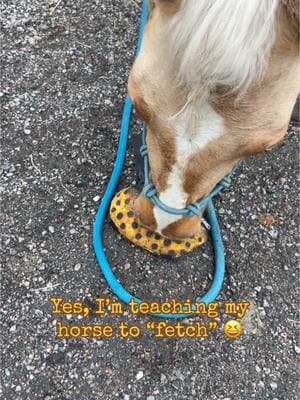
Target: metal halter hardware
<point x="191" y="209"/>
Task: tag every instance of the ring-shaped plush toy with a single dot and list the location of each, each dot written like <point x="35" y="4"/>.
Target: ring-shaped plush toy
<point x="127" y="223"/>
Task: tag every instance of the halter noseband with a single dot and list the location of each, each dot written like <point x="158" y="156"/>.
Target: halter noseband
<point x="191" y="209"/>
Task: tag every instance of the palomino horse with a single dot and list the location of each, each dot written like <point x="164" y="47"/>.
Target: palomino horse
<point x="215" y="81"/>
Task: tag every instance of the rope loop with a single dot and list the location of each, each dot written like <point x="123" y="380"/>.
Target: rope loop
<point x="226" y="182"/>
<point x="149" y="191"/>
<point x="193" y="209"/>
<point x="144" y="150"/>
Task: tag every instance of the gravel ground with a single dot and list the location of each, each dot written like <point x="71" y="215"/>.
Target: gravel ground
<point x="64" y="73"/>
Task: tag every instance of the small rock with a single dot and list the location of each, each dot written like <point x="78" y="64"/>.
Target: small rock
<point x="139" y="375"/>
<point x="265" y="303"/>
<point x="273" y="233"/>
<point x="185" y="321"/>
<point x="90" y="378"/>
<point x="273" y="385"/>
<point x="77" y="267"/>
<point x="51" y="229"/>
<point x="297" y="349"/>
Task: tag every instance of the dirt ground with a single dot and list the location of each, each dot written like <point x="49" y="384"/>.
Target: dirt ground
<point x="64" y="71"/>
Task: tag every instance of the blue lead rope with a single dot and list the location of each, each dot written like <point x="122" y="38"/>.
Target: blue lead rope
<point x="112" y="281"/>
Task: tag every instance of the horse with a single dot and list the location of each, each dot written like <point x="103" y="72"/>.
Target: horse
<point x="215" y="81"/>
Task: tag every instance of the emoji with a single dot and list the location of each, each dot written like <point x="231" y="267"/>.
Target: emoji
<point x="233" y="329"/>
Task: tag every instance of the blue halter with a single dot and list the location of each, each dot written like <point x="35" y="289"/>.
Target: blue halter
<point x="191" y="209"/>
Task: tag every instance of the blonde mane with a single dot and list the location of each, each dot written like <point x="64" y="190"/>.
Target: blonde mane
<point x="221" y="43"/>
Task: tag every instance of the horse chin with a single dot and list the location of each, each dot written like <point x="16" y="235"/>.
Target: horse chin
<point x="185" y="227"/>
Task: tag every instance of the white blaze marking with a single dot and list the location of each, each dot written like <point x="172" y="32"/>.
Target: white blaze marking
<point x="209" y="127"/>
<point x="173" y="196"/>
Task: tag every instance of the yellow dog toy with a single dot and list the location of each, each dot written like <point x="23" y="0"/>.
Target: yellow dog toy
<point x="122" y="215"/>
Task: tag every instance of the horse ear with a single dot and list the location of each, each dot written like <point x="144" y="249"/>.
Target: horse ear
<point x="166" y="6"/>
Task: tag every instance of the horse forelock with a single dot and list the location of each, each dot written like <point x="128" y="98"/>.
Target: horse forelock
<point x="223" y="43"/>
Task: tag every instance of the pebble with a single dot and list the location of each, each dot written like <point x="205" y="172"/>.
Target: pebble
<point x="273" y="233"/>
<point x="77" y="267"/>
<point x="90" y="377"/>
<point x="139" y="375"/>
<point x="273" y="385"/>
<point x="51" y="229"/>
<point x="266" y="303"/>
<point x="297" y="349"/>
